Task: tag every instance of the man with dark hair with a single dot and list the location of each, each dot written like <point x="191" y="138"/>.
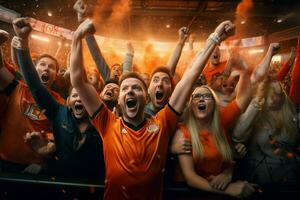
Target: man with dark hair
<point x="15" y="154"/>
<point x="77" y="142"/>
<point x="159" y="90"/>
<point x="135" y="148"/>
<point x="110" y="93"/>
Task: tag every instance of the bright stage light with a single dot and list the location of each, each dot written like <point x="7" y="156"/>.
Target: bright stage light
<point x="41" y="38"/>
<point x="255" y="51"/>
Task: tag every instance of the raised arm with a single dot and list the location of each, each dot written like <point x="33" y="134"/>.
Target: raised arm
<point x="101" y="64"/>
<point x="128" y="61"/>
<point x="86" y="91"/>
<point x="244" y="125"/>
<point x="245" y="90"/>
<point x="83" y="10"/>
<point x="41" y="95"/>
<point x="172" y="63"/>
<point x="262" y="69"/>
<point x="5" y="76"/>
<point x="183" y="89"/>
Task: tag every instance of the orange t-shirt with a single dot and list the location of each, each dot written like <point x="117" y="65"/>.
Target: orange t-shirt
<point x="21" y="116"/>
<point x="135" y="160"/>
<point x="210" y="71"/>
<point x="212" y="162"/>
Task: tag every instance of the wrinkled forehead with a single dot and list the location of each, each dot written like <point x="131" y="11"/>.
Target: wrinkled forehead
<point x="116" y="67"/>
<point x="131" y="82"/>
<point x="161" y="75"/>
<point x="201" y="90"/>
<point x="47" y="60"/>
<point x="111" y="85"/>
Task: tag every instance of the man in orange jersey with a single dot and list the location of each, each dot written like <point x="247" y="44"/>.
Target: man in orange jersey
<point x="135" y="148"/>
<point x="214" y="68"/>
<point x="22" y="115"/>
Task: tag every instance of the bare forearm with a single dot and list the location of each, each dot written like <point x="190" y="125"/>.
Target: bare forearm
<point x="244" y="124"/>
<point x="244" y="91"/>
<point x="261" y="70"/>
<point x="172" y="63"/>
<point x="86" y="91"/>
<point x="127" y="65"/>
<point x="184" y="87"/>
<point x="76" y="63"/>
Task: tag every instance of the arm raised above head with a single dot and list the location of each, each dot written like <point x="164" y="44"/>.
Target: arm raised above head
<point x="172" y="63"/>
<point x="86" y="91"/>
<point x="183" y="89"/>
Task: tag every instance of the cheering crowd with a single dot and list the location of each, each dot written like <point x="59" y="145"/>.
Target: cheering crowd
<point x="223" y="127"/>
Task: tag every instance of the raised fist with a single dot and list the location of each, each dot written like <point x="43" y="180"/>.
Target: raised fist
<point x="183" y="33"/>
<point x="86" y="27"/>
<point x="274" y="47"/>
<point x="22" y="27"/>
<point x="225" y="30"/>
<point x="83" y="10"/>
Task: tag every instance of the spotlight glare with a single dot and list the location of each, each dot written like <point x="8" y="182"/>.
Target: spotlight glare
<point x="49" y="14"/>
<point x="255" y="51"/>
<point x="41" y="38"/>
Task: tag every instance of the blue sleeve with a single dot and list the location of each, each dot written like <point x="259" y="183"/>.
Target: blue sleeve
<point x="98" y="58"/>
<point x="40" y="93"/>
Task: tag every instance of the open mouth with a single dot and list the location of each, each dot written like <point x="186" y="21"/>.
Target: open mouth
<point x="45" y="77"/>
<point x="202" y="107"/>
<point x="78" y="107"/>
<point x="131" y="103"/>
<point x="109" y="93"/>
<point x="215" y="57"/>
<point x="159" y="95"/>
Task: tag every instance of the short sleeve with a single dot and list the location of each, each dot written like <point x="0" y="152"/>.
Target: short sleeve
<point x="102" y="120"/>
<point x="230" y="114"/>
<point x="169" y="117"/>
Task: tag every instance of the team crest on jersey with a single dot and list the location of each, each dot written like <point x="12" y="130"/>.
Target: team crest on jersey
<point x="34" y="112"/>
<point x="124" y="131"/>
<point x="153" y="128"/>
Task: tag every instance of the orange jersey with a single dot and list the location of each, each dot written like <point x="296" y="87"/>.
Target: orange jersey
<point x="212" y="162"/>
<point x="210" y="71"/>
<point x="21" y="116"/>
<point x="135" y="160"/>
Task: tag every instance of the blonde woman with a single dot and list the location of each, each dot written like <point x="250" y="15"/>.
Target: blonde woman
<point x="209" y="167"/>
<point x="270" y="128"/>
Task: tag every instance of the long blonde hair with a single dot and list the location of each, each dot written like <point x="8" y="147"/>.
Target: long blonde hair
<point x="216" y="130"/>
<point x="285" y="119"/>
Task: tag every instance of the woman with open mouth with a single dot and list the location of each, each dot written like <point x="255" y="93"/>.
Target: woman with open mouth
<point x="77" y="142"/>
<point x="209" y="167"/>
